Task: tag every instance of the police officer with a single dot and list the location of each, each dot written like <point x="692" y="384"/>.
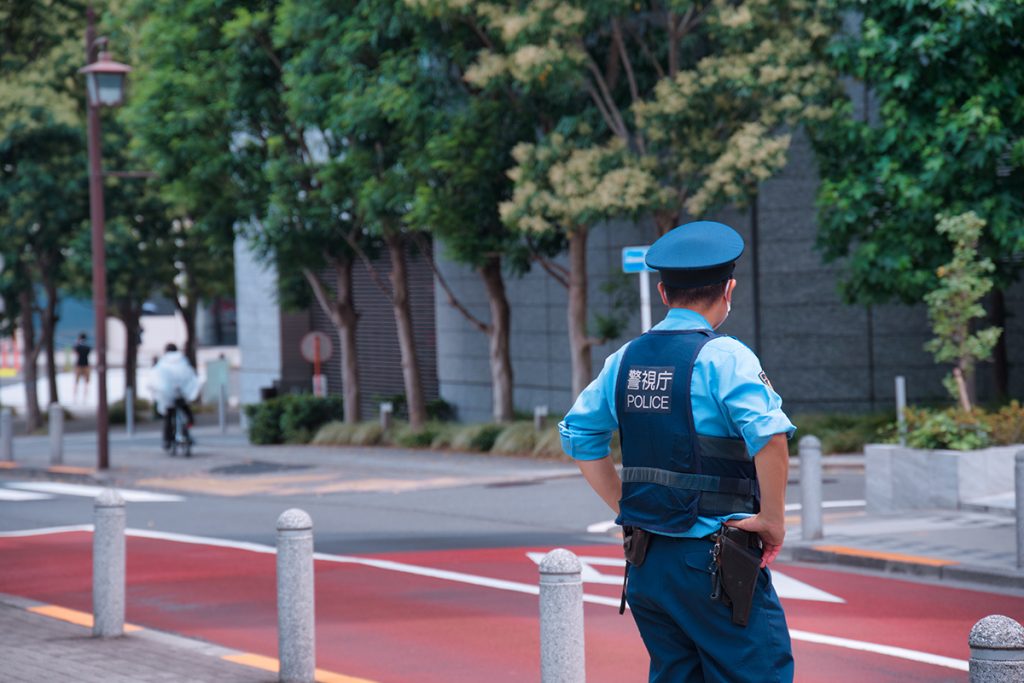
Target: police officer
<point x="703" y="445"/>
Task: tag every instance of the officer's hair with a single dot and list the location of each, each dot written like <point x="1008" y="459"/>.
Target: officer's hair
<point x="695" y="296"/>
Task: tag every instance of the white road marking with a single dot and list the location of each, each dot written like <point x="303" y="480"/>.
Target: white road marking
<point x="12" y="495"/>
<point x="514" y="586"/>
<point x="830" y="504"/>
<point x="45" y="531"/>
<point x="88" y="491"/>
<point x="601" y="527"/>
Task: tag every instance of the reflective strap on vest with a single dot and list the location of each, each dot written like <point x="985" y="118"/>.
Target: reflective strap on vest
<point x="690" y="482"/>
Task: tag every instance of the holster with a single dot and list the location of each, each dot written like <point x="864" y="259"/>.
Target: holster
<point x="634" y="546"/>
<point x="737" y="563"/>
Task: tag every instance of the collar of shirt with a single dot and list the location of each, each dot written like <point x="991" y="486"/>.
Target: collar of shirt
<point x="683" y="319"/>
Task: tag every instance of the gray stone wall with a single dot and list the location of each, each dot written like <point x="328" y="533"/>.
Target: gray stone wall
<point x="259" y="324"/>
<point x="821" y="354"/>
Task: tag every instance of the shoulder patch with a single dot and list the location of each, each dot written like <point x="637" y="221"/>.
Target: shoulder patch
<point x="764" y="378"/>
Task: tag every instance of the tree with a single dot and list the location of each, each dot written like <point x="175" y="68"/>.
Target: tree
<point x="942" y="132"/>
<point x="956" y="302"/>
<point x="666" y="109"/>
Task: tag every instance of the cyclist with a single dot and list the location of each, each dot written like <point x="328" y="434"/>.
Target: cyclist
<point x="175" y="385"/>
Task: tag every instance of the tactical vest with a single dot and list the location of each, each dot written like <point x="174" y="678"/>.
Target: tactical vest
<point x="670" y="474"/>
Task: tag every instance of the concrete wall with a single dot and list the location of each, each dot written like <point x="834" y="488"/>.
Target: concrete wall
<point x="821" y="354"/>
<point x="259" y="324"/>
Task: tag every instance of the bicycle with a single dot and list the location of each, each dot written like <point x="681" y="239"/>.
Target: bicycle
<point x="182" y="442"/>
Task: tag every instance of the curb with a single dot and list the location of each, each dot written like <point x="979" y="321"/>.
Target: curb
<point x="925" y="567"/>
<point x="68" y="473"/>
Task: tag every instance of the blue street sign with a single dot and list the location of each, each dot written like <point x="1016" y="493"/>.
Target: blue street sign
<point x="633" y="259"/>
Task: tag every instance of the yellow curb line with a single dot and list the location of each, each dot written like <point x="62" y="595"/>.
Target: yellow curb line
<point x="8" y="465"/>
<point x="272" y="665"/>
<point x="879" y="555"/>
<point x="70" y="469"/>
<point x="73" y="616"/>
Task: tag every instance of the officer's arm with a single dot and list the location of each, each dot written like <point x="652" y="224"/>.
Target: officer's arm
<point x="772" y="463"/>
<point x="603" y="478"/>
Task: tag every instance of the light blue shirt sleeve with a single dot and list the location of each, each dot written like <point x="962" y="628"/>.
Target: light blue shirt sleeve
<point x="589" y="425"/>
<point x="745" y="394"/>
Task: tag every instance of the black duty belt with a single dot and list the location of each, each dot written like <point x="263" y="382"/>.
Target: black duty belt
<point x="690" y="482"/>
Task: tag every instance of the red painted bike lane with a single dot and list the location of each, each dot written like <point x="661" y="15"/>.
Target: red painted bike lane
<point x="391" y="625"/>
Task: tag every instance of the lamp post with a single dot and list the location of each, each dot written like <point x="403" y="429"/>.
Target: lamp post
<point x="105" y="88"/>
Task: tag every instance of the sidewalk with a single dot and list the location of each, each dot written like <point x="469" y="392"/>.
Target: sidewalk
<point x="37" y="648"/>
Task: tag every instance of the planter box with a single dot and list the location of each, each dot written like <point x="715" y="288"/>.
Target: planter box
<point x="903" y="478"/>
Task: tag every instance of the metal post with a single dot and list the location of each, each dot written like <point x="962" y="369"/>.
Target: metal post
<point x="56" y="426"/>
<point x="810" y="488"/>
<point x="1019" y="480"/>
<point x="99" y="259"/>
<point x="6" y="434"/>
<point x="222" y="408"/>
<point x="645" y="300"/>
<point x="901" y="408"/>
<point x="561" y="618"/>
<point x="387" y="411"/>
<point x="540" y="417"/>
<point x="108" y="562"/>
<point x="295" y="619"/>
<point x="997" y="651"/>
<point x="129" y="411"/>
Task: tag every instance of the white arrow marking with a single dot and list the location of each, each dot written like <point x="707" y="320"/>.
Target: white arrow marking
<point x="8" y="494"/>
<point x="86" y="491"/>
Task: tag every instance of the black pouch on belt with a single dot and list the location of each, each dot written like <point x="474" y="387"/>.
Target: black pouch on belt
<point x="634" y="545"/>
<point x="738" y="563"/>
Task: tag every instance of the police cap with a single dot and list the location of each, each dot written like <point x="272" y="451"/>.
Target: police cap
<point x="696" y="254"/>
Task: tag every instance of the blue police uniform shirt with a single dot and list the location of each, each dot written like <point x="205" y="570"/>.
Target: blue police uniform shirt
<point x="730" y="397"/>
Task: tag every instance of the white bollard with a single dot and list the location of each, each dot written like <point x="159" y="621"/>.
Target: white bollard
<point x="129" y="411"/>
<point x="901" y="408"/>
<point x="810" y="488"/>
<point x="56" y="426"/>
<point x="540" y="418"/>
<point x="295" y="617"/>
<point x="108" y="565"/>
<point x="562" y="657"/>
<point x="1019" y="485"/>
<point x="6" y="434"/>
<point x="997" y="651"/>
<point x="222" y="408"/>
<point x="387" y="412"/>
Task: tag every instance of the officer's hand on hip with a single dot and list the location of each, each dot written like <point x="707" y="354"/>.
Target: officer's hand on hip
<point x="772" y="533"/>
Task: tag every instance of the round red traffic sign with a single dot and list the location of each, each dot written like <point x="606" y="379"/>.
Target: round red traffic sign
<point x="309" y="344"/>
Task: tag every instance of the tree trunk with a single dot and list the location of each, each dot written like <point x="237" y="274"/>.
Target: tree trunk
<point x="1000" y="355"/>
<point x="579" y="342"/>
<point x="403" y="322"/>
<point x="498" y="334"/>
<point x="188" y="313"/>
<point x="346" y="320"/>
<point x="28" y="335"/>
<point x="49" y="326"/>
<point x="129" y="315"/>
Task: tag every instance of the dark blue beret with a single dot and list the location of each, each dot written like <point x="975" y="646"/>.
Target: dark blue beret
<point x="696" y="254"/>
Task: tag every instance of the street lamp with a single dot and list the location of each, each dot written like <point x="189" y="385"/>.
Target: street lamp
<point x="105" y="86"/>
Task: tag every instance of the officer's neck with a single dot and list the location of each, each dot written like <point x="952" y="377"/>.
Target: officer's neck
<point x="714" y="315"/>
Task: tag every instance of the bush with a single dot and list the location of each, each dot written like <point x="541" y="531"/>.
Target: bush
<point x="950" y="428"/>
<point x="843" y="432"/>
<point x="548" y="444"/>
<point x="293" y="418"/>
<point x="1006" y="426"/>
<point x="440" y="410"/>
<point x="479" y="437"/>
<point x="117" y="416"/>
<point x="517" y="438"/>
<point x="335" y="433"/>
<point x="444" y="435"/>
<point x="367" y="434"/>
<point x="405" y="437"/>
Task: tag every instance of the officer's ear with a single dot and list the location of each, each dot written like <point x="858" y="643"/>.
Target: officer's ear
<point x="664" y="296"/>
<point x="730" y="288"/>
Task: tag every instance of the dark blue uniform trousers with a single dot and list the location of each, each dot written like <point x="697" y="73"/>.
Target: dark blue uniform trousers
<point x="690" y="637"/>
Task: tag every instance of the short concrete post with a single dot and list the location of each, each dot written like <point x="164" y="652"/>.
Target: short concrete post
<point x="561" y="618"/>
<point x="129" y="411"/>
<point x="56" y="425"/>
<point x="222" y="409"/>
<point x="540" y="417"/>
<point x="997" y="651"/>
<point x="1019" y="481"/>
<point x="810" y="488"/>
<point x="295" y="619"/>
<point x="387" y="413"/>
<point x="901" y="408"/>
<point x="108" y="562"/>
<point x="6" y="434"/>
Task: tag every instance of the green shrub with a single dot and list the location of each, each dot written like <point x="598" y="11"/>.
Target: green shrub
<point x="843" y="432"/>
<point x="117" y="416"/>
<point x="548" y="444"/>
<point x="516" y="438"/>
<point x="293" y="418"/>
<point x="440" y="410"/>
<point x="335" y="433"/>
<point x="444" y="435"/>
<point x="404" y="436"/>
<point x="950" y="428"/>
<point x="478" y="437"/>
<point x="367" y="434"/>
<point x="1006" y="426"/>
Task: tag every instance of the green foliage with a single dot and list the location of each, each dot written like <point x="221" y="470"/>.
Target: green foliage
<point x="143" y="411"/>
<point x="623" y="300"/>
<point x="944" y="133"/>
<point x="293" y="418"/>
<point x="956" y="301"/>
<point x="516" y="439"/>
<point x="958" y="430"/>
<point x="478" y="437"/>
<point x="842" y="432"/>
<point x="549" y="444"/>
<point x="406" y="437"/>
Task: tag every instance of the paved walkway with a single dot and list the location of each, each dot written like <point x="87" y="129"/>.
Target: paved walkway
<point x="43" y="648"/>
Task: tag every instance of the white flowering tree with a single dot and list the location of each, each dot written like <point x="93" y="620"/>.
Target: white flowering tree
<point x="657" y="109"/>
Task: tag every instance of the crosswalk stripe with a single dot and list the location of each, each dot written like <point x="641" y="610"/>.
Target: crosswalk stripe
<point x="12" y="495"/>
<point x="87" y="491"/>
